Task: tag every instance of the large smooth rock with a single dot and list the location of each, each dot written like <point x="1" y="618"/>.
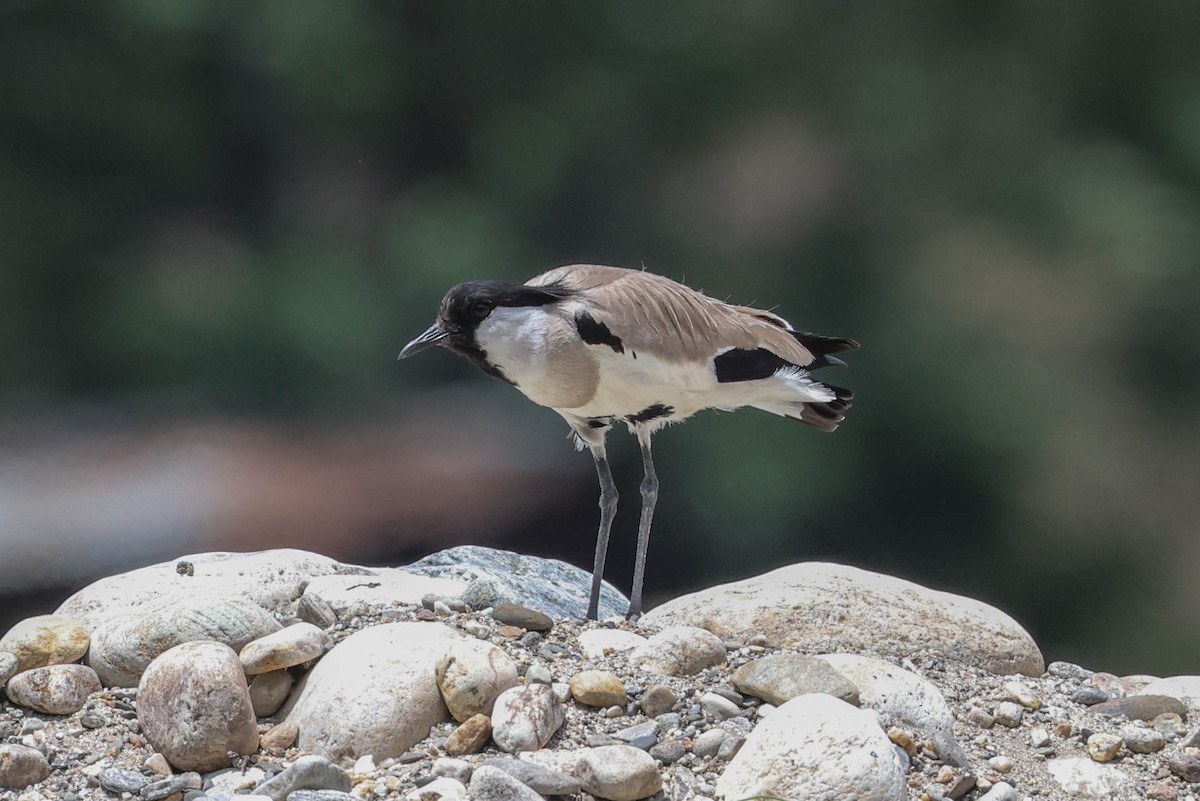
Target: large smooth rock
<point x="778" y="678"/>
<point x="122" y="649"/>
<point x="388" y="586"/>
<point x="1083" y="778"/>
<point x="615" y="772"/>
<point x="306" y="773"/>
<point x="492" y="784"/>
<point x="817" y="748"/>
<point x="905" y="696"/>
<point x="285" y="648"/>
<point x="1185" y="688"/>
<point x="679" y="651"/>
<point x="21" y="766"/>
<point x="556" y="588"/>
<point x="829" y="607"/>
<point x="271" y="579"/>
<point x="46" y="640"/>
<point x="54" y="689"/>
<point x="375" y="693"/>
<point x="471" y="674"/>
<point x="599" y="643"/>
<point x="194" y="706"/>
<point x="525" y="718"/>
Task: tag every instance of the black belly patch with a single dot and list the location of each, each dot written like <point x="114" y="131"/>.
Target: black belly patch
<point x="741" y="364"/>
<point x="594" y="332"/>
<point x="652" y="412"/>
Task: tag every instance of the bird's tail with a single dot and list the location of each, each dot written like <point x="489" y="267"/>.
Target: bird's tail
<point x="821" y="415"/>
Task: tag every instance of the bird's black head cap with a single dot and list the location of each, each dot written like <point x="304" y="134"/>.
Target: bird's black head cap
<point x="467" y="305"/>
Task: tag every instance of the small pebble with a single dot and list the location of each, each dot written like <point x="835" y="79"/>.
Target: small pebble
<point x="1008" y="714"/>
<point x="522" y="617"/>
<point x="718" y="706"/>
<point x="1103" y="747"/>
<point x="1089" y="696"/>
<point x="1141" y="740"/>
<point x="1001" y="763"/>
<point x="1039" y="737"/>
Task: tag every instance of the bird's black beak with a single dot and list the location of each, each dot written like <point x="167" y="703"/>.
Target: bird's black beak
<point x="432" y="336"/>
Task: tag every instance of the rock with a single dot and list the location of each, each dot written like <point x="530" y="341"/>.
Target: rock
<point x="780" y="677"/>
<point x="522" y="616"/>
<point x="709" y="743"/>
<point x="1184" y="765"/>
<point x="9" y="664"/>
<point x="668" y="752"/>
<point x="443" y="788"/>
<point x="1184" y="688"/>
<point x="375" y="693"/>
<point x="679" y="651"/>
<point x="816" y="747"/>
<point x="599" y="643"/>
<point x="312" y="608"/>
<point x="1001" y="763"/>
<point x="54" y="689"/>
<point x="1142" y="740"/>
<point x="45" y="640"/>
<point x="157" y="763"/>
<point x="280" y="736"/>
<point x="381" y="586"/>
<point x="539" y="778"/>
<point x="194" y="706"/>
<point x="1104" y="747"/>
<point x="1141" y="707"/>
<point x="598" y="688"/>
<point x="288" y="647"/>
<point x="556" y="588"/>
<point x="234" y="781"/>
<point x="822" y="606"/>
<point x="459" y="769"/>
<point x="1084" y="778"/>
<point x="471" y="737"/>
<point x="166" y="788"/>
<point x="492" y="784"/>
<point x="904" y="695"/>
<point x="1009" y="713"/>
<point x="718" y="706"/>
<point x="657" y="699"/>
<point x="268" y="691"/>
<point x="21" y="766"/>
<point x="615" y="772"/>
<point x="116" y="780"/>
<point x="1170" y="725"/>
<point x="1001" y="791"/>
<point x="306" y="773"/>
<point x="1020" y="692"/>
<point x="525" y="718"/>
<point x="122" y="648"/>
<point x="1089" y="696"/>
<point x="471" y="674"/>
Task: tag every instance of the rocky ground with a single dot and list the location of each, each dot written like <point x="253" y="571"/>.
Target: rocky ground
<point x="428" y="683"/>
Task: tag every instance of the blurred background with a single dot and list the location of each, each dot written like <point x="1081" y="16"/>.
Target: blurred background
<point x="220" y="221"/>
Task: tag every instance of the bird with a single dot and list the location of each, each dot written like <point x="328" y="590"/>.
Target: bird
<point x="604" y="346"/>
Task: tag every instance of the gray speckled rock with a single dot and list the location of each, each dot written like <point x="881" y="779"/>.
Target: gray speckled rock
<point x="54" y="689"/>
<point x="8" y="667"/>
<point x="833" y="607"/>
<point x="525" y="718"/>
<point x="778" y="678"/>
<point x="306" y="773"/>
<point x="194" y="706"/>
<point x="492" y="784"/>
<point x="541" y="779"/>
<point x="471" y="674"/>
<point x="547" y="585"/>
<point x="615" y="772"/>
<point x="679" y="651"/>
<point x="46" y="640"/>
<point x="122" y="649"/>
<point x="375" y="693"/>
<point x="21" y="766"/>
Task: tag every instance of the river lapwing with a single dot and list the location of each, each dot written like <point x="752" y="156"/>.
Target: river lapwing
<point x="604" y="345"/>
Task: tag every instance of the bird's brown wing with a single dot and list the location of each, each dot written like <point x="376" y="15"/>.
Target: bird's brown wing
<point x="650" y="313"/>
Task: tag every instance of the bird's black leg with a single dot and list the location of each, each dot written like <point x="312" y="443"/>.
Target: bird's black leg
<point x="608" y="508"/>
<point x="649" y="498"/>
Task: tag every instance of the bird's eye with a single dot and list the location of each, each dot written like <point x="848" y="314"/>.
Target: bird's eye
<point x="481" y="310"/>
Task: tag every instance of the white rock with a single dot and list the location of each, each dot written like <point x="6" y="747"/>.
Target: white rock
<point x="598" y="643"/>
<point x="615" y="772"/>
<point x="375" y="693"/>
<point x="45" y="640"/>
<point x="442" y="787"/>
<point x="817" y="748"/>
<point x="493" y="784"/>
<point x="471" y="674"/>
<point x="54" y="689"/>
<point x="387" y="586"/>
<point x="194" y="706"/>
<point x="1001" y="791"/>
<point x="808" y="604"/>
<point x="271" y="579"/>
<point x="679" y="651"/>
<point x="1185" y="688"/>
<point x="288" y="647"/>
<point x="1084" y="778"/>
<point x="903" y="695"/>
<point x="525" y="718"/>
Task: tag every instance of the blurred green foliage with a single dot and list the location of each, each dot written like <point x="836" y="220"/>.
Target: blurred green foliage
<point x="249" y="207"/>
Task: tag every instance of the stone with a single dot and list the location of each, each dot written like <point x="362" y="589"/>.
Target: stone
<point x="382" y="586"/>
<point x="157" y="763"/>
<point x="458" y="769"/>
<point x="9" y="664"/>
<point x="598" y="688"/>
<point x="1001" y="763"/>
<point x="312" y="608"/>
<point x="492" y="784"/>
<point x="1020" y="692"/>
<point x="46" y="640"/>
<point x="668" y="752"/>
<point x="601" y="643"/>
<point x="718" y="706"/>
<point x="615" y="772"/>
<point x="280" y="736"/>
<point x="679" y="651"/>
<point x="1141" y="707"/>
<point x="525" y="718"/>
<point x="54" y="689"/>
<point x="165" y="788"/>
<point x="709" y="743"/>
<point x="442" y="788"/>
<point x="116" y="780"/>
<point x="471" y="674"/>
<point x="1170" y="725"/>
<point x="1089" y="696"/>
<point x="1184" y="688"/>
<point x="471" y="737"/>
<point x="555" y="588"/>
<point x="539" y="778"/>
<point x="1000" y="791"/>
<point x="905" y="696"/>
<point x="657" y="699"/>
<point x="194" y="706"/>
<point x="375" y="693"/>
<point x="1009" y="714"/>
<point x="234" y="781"/>
<point x="1141" y="740"/>
<point x="1084" y="778"/>
<point x="523" y="617"/>
<point x="268" y="691"/>
<point x="830" y="607"/>
<point x="780" y="677"/>
<point x="21" y="766"/>
<point x="818" y="748"/>
<point x="1184" y="765"/>
<point x="123" y="647"/>
<point x="1104" y="747"/>
<point x="306" y="773"/>
<point x="288" y="647"/>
